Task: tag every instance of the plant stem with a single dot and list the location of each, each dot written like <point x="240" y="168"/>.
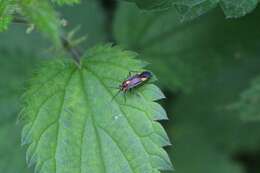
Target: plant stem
<point x="73" y="51"/>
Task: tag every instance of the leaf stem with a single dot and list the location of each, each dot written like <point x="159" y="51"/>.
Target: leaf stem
<point x="73" y="51"/>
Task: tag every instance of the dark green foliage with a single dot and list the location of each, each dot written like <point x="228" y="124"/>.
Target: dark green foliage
<point x="62" y="2"/>
<point x="218" y="63"/>
<point x="189" y="9"/>
<point x="238" y="8"/>
<point x="207" y="65"/>
<point x="15" y="69"/>
<point x="6" y="9"/>
<point x="248" y="106"/>
<point x="4" y="22"/>
<point x="88" y="10"/>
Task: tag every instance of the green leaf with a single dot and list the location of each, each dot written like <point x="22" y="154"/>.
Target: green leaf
<point x="62" y="2"/>
<point x="4" y="22"/>
<point x="248" y="106"/>
<point x="190" y="9"/>
<point x="6" y="9"/>
<point x="44" y="17"/>
<point x="73" y="125"/>
<point x="238" y="8"/>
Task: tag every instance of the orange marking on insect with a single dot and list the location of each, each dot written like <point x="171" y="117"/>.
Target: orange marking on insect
<point x="144" y="79"/>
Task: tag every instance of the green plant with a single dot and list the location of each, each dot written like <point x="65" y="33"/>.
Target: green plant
<point x="71" y="124"/>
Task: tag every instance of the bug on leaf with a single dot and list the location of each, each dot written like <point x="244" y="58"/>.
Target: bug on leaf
<point x="133" y="81"/>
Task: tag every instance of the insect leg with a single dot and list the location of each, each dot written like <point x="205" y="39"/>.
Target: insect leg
<point x="129" y="74"/>
<point x="125" y="96"/>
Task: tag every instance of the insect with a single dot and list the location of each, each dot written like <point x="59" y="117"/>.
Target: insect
<point x="133" y="81"/>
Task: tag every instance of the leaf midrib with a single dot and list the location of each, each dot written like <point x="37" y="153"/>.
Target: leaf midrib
<point x="60" y="110"/>
<point x="93" y="122"/>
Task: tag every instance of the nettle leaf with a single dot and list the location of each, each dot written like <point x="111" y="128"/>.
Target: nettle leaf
<point x="6" y="9"/>
<point x="190" y="9"/>
<point x="238" y="8"/>
<point x="62" y="2"/>
<point x="248" y="106"/>
<point x="4" y="22"/>
<point x="73" y="125"/>
<point x="43" y="16"/>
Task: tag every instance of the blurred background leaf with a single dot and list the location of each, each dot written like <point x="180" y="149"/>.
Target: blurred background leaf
<point x="190" y="9"/>
<point x="90" y="17"/>
<point x="204" y="65"/>
<point x="248" y="105"/>
<point x="15" y="68"/>
<point x="61" y="2"/>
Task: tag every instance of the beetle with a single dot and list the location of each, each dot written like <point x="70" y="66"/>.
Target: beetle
<point x="133" y="81"/>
